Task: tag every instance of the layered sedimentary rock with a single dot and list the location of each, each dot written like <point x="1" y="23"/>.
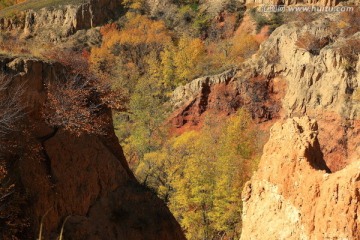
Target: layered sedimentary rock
<point x="224" y="94"/>
<point x="58" y="21"/>
<point x="293" y="195"/>
<point x="320" y="83"/>
<point x="85" y="178"/>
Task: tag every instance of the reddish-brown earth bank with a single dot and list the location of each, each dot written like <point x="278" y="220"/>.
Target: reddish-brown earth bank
<point x="85" y="177"/>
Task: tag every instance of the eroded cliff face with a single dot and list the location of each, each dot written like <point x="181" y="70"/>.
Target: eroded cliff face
<point x="60" y="21"/>
<point x="320" y="85"/>
<point x="84" y="177"/>
<point x="284" y="80"/>
<point x="224" y="94"/>
<point x="293" y="195"/>
<point x="307" y="185"/>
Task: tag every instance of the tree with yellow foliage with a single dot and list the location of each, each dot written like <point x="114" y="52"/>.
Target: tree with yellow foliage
<point x="191" y="201"/>
<point x="122" y="55"/>
<point x="136" y="5"/>
<point x="234" y="166"/>
<point x="201" y="173"/>
<point x="187" y="58"/>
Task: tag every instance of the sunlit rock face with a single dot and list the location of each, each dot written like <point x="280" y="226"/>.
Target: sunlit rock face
<point x="294" y="195"/>
<point x="55" y="23"/>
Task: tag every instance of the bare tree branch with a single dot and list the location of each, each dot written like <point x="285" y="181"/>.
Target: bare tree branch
<point x="11" y="110"/>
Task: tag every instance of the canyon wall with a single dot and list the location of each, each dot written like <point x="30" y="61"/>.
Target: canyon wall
<point x="285" y="80"/>
<point x="83" y="177"/>
<point x="293" y="195"/>
<point x="308" y="181"/>
<point x="322" y="85"/>
<point x="59" y="21"/>
<point x="224" y="94"/>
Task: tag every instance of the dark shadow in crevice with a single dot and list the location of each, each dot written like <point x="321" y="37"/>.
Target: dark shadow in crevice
<point x="315" y="157"/>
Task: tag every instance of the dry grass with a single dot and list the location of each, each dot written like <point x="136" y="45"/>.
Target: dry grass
<point x="356" y="95"/>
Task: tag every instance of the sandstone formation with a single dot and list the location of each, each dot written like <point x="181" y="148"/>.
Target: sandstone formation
<point x="307" y="185"/>
<point x="84" y="177"/>
<point x="293" y="195"/>
<point x="224" y="94"/>
<point x="320" y="85"/>
<point x="58" y="21"/>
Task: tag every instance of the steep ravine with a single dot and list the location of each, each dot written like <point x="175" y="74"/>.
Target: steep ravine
<point x="283" y="80"/>
<point x="85" y="177"/>
<point x="308" y="181"/>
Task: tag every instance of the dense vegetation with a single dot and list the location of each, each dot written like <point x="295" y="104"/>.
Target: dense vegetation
<point x="199" y="174"/>
<point x="143" y="58"/>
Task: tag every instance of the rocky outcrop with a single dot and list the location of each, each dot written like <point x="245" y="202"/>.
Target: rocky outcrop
<point x="189" y="91"/>
<point x="293" y="195"/>
<point x="85" y="178"/>
<point x="224" y="94"/>
<point x="316" y="80"/>
<point x="320" y="83"/>
<point x="59" y="21"/>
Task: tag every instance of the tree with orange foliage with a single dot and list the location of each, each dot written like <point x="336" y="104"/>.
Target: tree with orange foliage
<point x="77" y="99"/>
<point x="121" y="56"/>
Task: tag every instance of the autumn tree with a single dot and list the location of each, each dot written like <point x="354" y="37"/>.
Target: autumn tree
<point x="200" y="175"/>
<point x="168" y="66"/>
<point x="235" y="163"/>
<point x="69" y="106"/>
<point x="187" y="58"/>
<point x="121" y="56"/>
<point x="135" y="6"/>
<point x="11" y="110"/>
<point x="148" y="109"/>
<point x="77" y="100"/>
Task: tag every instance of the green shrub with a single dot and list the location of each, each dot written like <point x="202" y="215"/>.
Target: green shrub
<point x="202" y="22"/>
<point x="273" y="21"/>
